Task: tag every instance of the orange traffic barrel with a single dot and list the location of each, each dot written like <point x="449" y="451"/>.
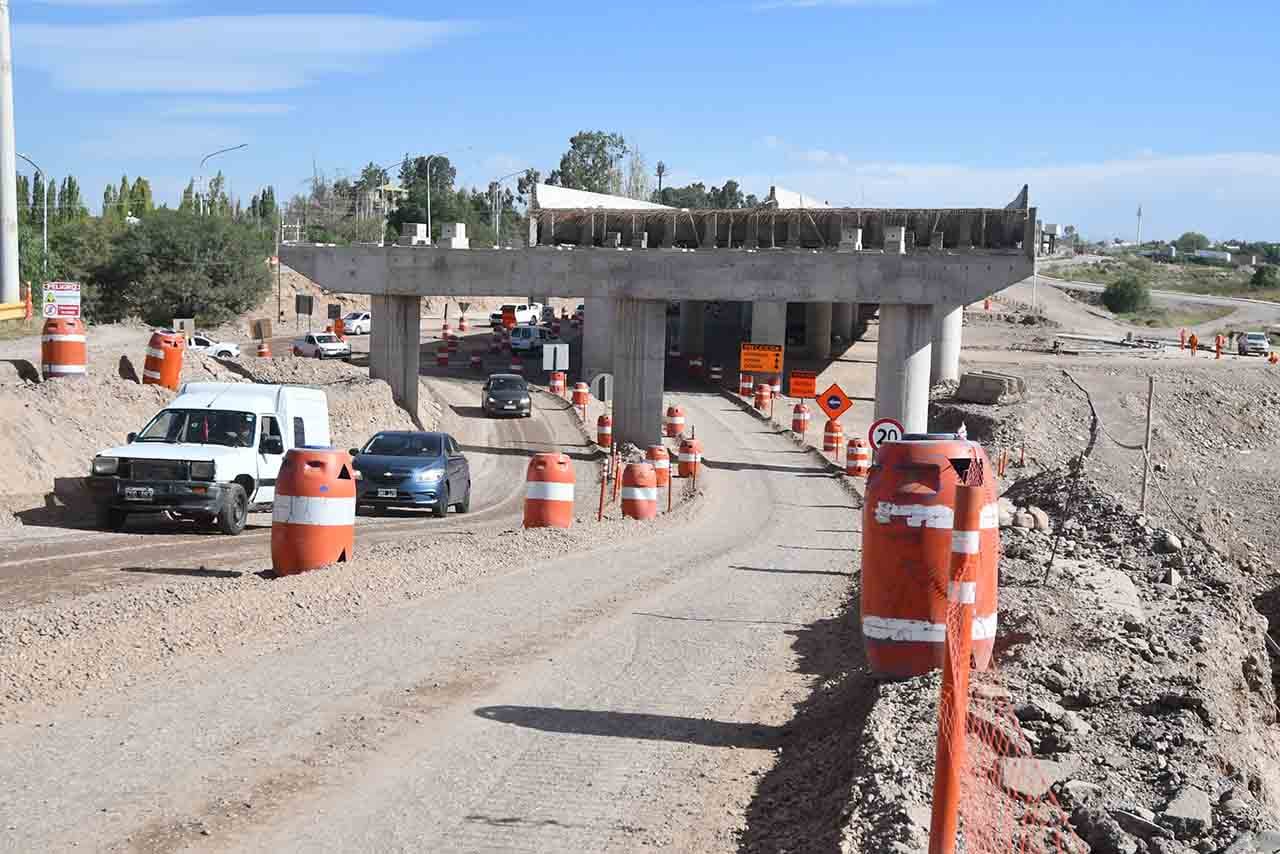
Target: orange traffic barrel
<point x="495" y="342"/>
<point x="689" y="458"/>
<point x="639" y="491"/>
<point x="63" y="351"/>
<point x="907" y="525"/>
<point x="763" y="395"/>
<point x="462" y="323"/>
<point x="581" y="394"/>
<point x="476" y="362"/>
<point x="775" y="385"/>
<point x="800" y="419"/>
<point x="442" y="357"/>
<point x="557" y="383"/>
<point x="604" y="431"/>
<point x="163" y="365"/>
<point x="715" y="373"/>
<point x="340" y="329"/>
<point x="832" y="437"/>
<point x="673" y="422"/>
<point x="264" y="350"/>
<point x="1273" y="358"/>
<point x="548" y="497"/>
<point x="858" y="459"/>
<point x="517" y="366"/>
<point x="744" y="385"/>
<point x="451" y="342"/>
<point x="695" y="366"/>
<point x="661" y="461"/>
<point x="445" y="329"/>
<point x="314" y="513"/>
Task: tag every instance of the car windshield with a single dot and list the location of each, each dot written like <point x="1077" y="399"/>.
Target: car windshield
<point x="510" y="307"/>
<point x="355" y="315"/>
<point x="404" y="445"/>
<point x="1257" y="336"/>
<point x="326" y="339"/>
<point x="201" y="427"/>
<point x="506" y="384"/>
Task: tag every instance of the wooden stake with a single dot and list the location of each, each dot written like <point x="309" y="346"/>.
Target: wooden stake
<point x="1146" y="445"/>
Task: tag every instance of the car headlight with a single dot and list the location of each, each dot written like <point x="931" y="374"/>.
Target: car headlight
<point x="428" y="475"/>
<point x="202" y="470"/>
<point x="491" y="400"/>
<point x="524" y="401"/>
<point x="106" y="465"/>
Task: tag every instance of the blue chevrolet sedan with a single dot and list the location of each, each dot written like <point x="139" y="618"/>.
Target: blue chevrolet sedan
<point x="399" y="468"/>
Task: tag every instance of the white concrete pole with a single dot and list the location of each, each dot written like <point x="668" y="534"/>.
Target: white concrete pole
<point x="948" y="327"/>
<point x="639" y="364"/>
<point x="902" y="365"/>
<point x="9" y="290"/>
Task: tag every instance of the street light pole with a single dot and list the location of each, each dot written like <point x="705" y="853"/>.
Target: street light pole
<point x="497" y="205"/>
<point x="9" y="290"/>
<point x="205" y="160"/>
<point x="44" y="223"/>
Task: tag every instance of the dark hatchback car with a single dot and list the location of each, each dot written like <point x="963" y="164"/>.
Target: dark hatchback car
<point x="411" y="469"/>
<point x="506" y="394"/>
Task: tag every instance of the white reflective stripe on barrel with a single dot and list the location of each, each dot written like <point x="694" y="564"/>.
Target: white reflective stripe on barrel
<point x="989" y="517"/>
<point x="965" y="542"/>
<point x="675" y="419"/>
<point x="151" y="375"/>
<point x="155" y="353"/>
<point x="691" y="458"/>
<point x="63" y="339"/>
<point x="542" y="490"/>
<point x="922" y="631"/>
<point x="65" y="369"/>
<point x="313" y="510"/>
<point x="639" y="493"/>
<point x="661" y="463"/>
<point x="962" y="592"/>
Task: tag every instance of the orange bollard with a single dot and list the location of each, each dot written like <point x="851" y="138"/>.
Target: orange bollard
<point x="63" y="351"/>
<point x="548" y="496"/>
<point x="451" y="342"/>
<point x="763" y="397"/>
<point x="557" y="383"/>
<point x="445" y="329"/>
<point x="1217" y="346"/>
<point x="689" y="457"/>
<point x="264" y="350"/>
<point x="800" y="420"/>
<point x="986" y="305"/>
<point x="1182" y="339"/>
<point x="462" y="323"/>
<point x="775" y="385"/>
<point x="639" y="491"/>
<point x="581" y="394"/>
<point x="953" y="709"/>
<point x="745" y="385"/>
<point x="858" y="458"/>
<point x="832" y="437"/>
<point x="340" y="329"/>
<point x="163" y="365"/>
<point x="442" y="357"/>
<point x="313" y="515"/>
<point x="604" y="431"/>
<point x="1273" y="358"/>
<point x="517" y="366"/>
<point x="661" y="461"/>
<point x="673" y="422"/>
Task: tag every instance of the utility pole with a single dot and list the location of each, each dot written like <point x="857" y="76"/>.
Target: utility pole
<point x="1139" y="226"/>
<point x="9" y="291"/>
<point x="662" y="170"/>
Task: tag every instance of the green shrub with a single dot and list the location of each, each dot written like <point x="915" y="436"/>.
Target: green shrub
<point x="1265" y="278"/>
<point x="1126" y="295"/>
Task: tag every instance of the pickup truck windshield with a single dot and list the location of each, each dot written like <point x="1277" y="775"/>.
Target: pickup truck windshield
<point x="326" y="339"/>
<point x="201" y="427"/>
<point x="404" y="445"/>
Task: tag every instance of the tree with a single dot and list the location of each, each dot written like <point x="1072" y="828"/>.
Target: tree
<point x="1265" y="278"/>
<point x="637" y="184"/>
<point x="1126" y="295"/>
<point x="591" y="163"/>
<point x="36" y="214"/>
<point x="691" y="196"/>
<point x="110" y="206"/>
<point x="414" y="175"/>
<point x="124" y="196"/>
<point x="24" y="198"/>
<point x="188" y="203"/>
<point x="70" y="206"/>
<point x="1190" y="241"/>
<point x="140" y="197"/>
<point x="727" y="197"/>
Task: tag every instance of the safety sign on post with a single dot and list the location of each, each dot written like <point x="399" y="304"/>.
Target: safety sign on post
<point x="834" y="402"/>
<point x="555" y="357"/>
<point x="185" y="325"/>
<point x="335" y="310"/>
<point x="803" y="384"/>
<point x="302" y="304"/>
<point x="760" y="359"/>
<point x="885" y="430"/>
<point x="61" y="299"/>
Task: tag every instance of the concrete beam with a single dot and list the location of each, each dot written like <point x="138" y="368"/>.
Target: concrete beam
<point x="902" y="365"/>
<point x="639" y="360"/>
<point x="948" y="326"/>
<point x="780" y="276"/>
<point x="395" y="343"/>
<point x="692" y="325"/>
<point x="598" y="327"/>
<point x="817" y="332"/>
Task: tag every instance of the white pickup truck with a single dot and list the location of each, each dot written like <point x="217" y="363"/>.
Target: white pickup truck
<point x="210" y="456"/>
<point x="527" y="314"/>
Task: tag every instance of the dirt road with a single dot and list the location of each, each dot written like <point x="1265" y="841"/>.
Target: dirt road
<point x="597" y="701"/>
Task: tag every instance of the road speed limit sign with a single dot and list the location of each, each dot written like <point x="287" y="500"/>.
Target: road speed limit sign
<point x="884" y="430"/>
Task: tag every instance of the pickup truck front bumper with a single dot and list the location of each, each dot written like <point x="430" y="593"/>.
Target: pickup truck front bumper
<point x="153" y="496"/>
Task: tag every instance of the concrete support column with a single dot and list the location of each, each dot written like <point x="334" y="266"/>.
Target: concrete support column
<point x="817" y="329"/>
<point x="639" y="360"/>
<point x="769" y="323"/>
<point x="842" y="314"/>
<point x="692" y="337"/>
<point x="394" y="346"/>
<point x="902" y="365"/>
<point x="597" y="336"/>
<point x="948" y="325"/>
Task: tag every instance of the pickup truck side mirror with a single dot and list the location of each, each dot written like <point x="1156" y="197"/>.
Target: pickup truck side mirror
<point x="128" y="440"/>
<point x="271" y="445"/>
<point x="354" y="452"/>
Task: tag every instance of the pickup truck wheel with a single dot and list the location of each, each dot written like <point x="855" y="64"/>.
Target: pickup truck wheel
<point x="442" y="504"/>
<point x="235" y="510"/>
<point x="465" y="504"/>
<point x="111" y="518"/>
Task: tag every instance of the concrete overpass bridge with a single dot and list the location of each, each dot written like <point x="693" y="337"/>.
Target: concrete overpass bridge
<point x="920" y="266"/>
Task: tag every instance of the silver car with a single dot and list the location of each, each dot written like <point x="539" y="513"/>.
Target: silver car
<point x="1254" y="344"/>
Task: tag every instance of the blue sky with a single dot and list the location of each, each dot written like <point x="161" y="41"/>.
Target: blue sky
<point x="1099" y="106"/>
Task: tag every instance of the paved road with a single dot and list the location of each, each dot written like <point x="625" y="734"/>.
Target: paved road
<point x="598" y="701"/>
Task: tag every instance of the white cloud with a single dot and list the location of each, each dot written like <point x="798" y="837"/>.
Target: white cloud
<point x="228" y="108"/>
<point x="246" y="53"/>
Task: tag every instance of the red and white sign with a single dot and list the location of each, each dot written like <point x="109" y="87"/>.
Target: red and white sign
<point x="885" y="430"/>
<point x="61" y="299"/>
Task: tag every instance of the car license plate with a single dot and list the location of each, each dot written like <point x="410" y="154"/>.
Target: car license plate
<point x="508" y="406"/>
<point x="139" y="493"/>
<point x="386" y="493"/>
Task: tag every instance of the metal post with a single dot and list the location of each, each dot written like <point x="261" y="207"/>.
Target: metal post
<point x="1146" y="444"/>
<point x="9" y="289"/>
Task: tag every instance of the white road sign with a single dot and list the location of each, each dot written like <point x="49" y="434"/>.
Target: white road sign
<point x="555" y="357"/>
<point x="61" y="299"/>
<point x="885" y="430"/>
